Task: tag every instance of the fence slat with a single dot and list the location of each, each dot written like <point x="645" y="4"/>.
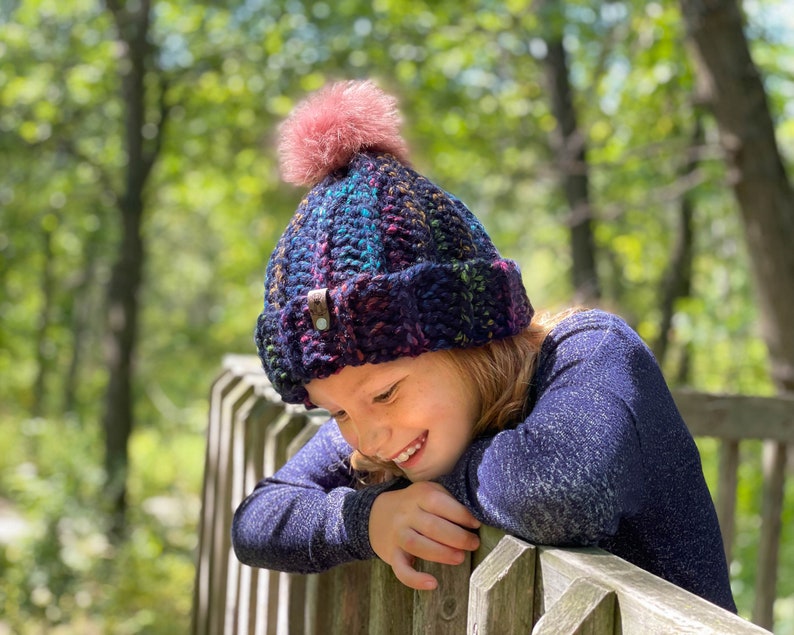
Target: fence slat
<point x="586" y="608"/>
<point x="501" y="590"/>
<point x="259" y="580"/>
<point x="489" y="538"/>
<point x="221" y="505"/>
<point x="444" y="610"/>
<point x="287" y="614"/>
<point x="237" y="609"/>
<point x="391" y="603"/>
<point x="769" y="542"/>
<point x="202" y="590"/>
<point x="342" y="601"/>
<point x="728" y="476"/>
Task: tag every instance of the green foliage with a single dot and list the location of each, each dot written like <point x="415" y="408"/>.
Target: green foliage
<point x="62" y="572"/>
<point x="471" y="83"/>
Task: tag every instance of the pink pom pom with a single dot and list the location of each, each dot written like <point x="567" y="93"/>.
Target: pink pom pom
<point x="326" y="130"/>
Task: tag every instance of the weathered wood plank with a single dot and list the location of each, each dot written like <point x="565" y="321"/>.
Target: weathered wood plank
<point x="218" y="616"/>
<point x="286" y="605"/>
<point x="343" y="600"/>
<point x="727" y="481"/>
<point x="444" y="610"/>
<point x="250" y="579"/>
<point x="203" y="597"/>
<point x="501" y="590"/>
<point x="774" y="466"/>
<point x="585" y="608"/>
<point x="308" y="431"/>
<point x="647" y="604"/>
<point x="237" y="609"/>
<point x="737" y="417"/>
<point x="391" y="603"/>
<point x="489" y="538"/>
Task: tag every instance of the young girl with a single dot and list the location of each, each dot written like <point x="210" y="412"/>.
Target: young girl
<point x="452" y="404"/>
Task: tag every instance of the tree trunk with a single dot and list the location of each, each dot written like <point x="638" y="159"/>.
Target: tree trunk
<point x="570" y="149"/>
<point x="125" y="280"/>
<point x="737" y="98"/>
<point x="736" y="95"/>
<point x="81" y="312"/>
<point x="677" y="282"/>
<point x="43" y="355"/>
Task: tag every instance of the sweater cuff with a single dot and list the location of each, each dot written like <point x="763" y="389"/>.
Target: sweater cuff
<point x="355" y="515"/>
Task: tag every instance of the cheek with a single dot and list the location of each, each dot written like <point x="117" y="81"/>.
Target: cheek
<point x="456" y="424"/>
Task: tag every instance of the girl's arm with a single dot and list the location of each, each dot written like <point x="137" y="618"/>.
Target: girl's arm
<point x="573" y="469"/>
<point x="308" y="516"/>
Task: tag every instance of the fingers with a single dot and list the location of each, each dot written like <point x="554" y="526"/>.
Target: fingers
<point x="403" y="568"/>
<point x="442" y="531"/>
<point x="421" y="521"/>
<point x="433" y="498"/>
<point x="430" y="548"/>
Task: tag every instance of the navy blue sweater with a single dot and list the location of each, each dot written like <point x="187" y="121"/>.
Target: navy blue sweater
<point x="603" y="459"/>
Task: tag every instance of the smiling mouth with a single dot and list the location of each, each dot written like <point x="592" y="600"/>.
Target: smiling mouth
<point x="411" y="449"/>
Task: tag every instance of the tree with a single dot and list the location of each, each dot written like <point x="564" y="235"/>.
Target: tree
<point x="677" y="280"/>
<point x="143" y="140"/>
<point x="569" y="144"/>
<point x="736" y="96"/>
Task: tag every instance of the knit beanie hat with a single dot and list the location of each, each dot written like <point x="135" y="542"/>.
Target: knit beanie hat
<point x="377" y="262"/>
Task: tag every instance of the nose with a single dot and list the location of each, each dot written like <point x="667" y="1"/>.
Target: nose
<point x="373" y="438"/>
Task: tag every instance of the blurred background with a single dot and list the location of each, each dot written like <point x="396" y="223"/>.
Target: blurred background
<point x="140" y="199"/>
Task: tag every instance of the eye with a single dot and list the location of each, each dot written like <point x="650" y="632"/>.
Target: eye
<point x="340" y="416"/>
<point x="386" y="395"/>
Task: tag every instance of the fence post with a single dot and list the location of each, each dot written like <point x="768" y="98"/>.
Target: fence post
<point x="501" y="590"/>
<point x="585" y="607"/>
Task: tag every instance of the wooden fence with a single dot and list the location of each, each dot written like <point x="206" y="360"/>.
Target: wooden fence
<point x="507" y="586"/>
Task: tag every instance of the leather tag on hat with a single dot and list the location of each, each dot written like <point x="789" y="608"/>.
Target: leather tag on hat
<point x="318" y="309"/>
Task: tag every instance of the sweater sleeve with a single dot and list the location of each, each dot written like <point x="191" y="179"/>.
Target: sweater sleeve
<point x="307" y="517"/>
<point x="572" y="470"/>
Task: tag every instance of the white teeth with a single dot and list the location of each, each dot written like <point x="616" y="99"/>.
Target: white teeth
<point x="408" y="452"/>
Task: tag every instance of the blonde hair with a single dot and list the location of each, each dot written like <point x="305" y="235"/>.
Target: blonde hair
<point x="501" y="371"/>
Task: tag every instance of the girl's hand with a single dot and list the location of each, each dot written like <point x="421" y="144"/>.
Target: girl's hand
<point x="421" y="521"/>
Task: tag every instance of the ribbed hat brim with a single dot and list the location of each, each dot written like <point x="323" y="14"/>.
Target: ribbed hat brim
<point x="378" y="318"/>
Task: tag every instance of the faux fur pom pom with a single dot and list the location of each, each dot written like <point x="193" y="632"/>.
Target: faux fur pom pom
<point x="329" y="127"/>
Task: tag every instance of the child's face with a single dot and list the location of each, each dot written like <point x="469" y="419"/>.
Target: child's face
<point x="418" y="412"/>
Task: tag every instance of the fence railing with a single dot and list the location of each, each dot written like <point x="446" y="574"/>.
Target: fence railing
<point x="506" y="586"/>
<point x="734" y="419"/>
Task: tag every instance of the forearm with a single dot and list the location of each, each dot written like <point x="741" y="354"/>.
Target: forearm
<point x="301" y="530"/>
<point x="310" y="515"/>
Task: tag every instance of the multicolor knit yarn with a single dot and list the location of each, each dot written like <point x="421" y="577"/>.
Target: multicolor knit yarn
<point x="377" y="262"/>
